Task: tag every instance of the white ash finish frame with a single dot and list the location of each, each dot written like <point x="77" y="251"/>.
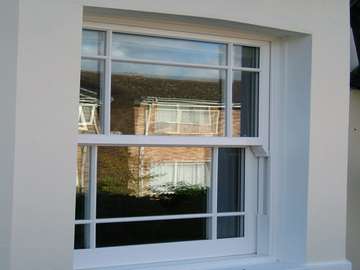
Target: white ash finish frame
<point x="125" y="255"/>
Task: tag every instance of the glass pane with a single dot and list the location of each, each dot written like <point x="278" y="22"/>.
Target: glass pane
<point x="159" y="100"/>
<point x="166" y="49"/>
<point x="147" y="232"/>
<point x="231" y="186"/>
<point x="82" y="210"/>
<point x="145" y="181"/>
<point x="82" y="236"/>
<point x="93" y="42"/>
<point x="91" y="91"/>
<point x="246" y="56"/>
<point x="245" y="105"/>
<point x="229" y="227"/>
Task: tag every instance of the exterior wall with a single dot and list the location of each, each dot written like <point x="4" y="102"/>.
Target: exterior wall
<point x="47" y="79"/>
<point x="353" y="218"/>
<point x="8" y="28"/>
<point x="328" y="157"/>
<point x="39" y="158"/>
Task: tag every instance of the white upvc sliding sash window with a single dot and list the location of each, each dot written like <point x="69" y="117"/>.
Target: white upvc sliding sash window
<point x="167" y="125"/>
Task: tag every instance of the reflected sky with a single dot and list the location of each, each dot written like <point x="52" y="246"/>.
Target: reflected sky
<point x="155" y="48"/>
<point x="90" y="65"/>
<point x="155" y="71"/>
<point x="166" y="49"/>
<point x="93" y="42"/>
<point x="129" y="46"/>
<point x="168" y="72"/>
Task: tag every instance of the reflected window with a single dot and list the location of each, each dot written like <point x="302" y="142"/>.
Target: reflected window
<point x="180" y="174"/>
<point x="202" y="119"/>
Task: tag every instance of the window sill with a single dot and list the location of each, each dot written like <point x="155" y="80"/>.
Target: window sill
<point x="215" y="263"/>
<point x="231" y="263"/>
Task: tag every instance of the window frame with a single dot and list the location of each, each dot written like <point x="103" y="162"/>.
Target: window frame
<point x="94" y="257"/>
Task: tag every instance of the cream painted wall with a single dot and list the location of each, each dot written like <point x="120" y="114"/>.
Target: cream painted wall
<point x="44" y="133"/>
<point x="353" y="219"/>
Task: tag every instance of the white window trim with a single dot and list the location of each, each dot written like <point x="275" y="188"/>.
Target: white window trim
<point x="101" y="257"/>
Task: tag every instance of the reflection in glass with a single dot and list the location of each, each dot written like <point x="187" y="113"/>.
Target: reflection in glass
<point x="91" y="91"/>
<point x="165" y="49"/>
<point x="147" y="232"/>
<point x="229" y="227"/>
<point x="93" y="42"/>
<point x="246" y="56"/>
<point x="245" y="103"/>
<point x="82" y="210"/>
<point x="144" y="181"/>
<point x="163" y="100"/>
<point x="231" y="186"/>
<point x="81" y="239"/>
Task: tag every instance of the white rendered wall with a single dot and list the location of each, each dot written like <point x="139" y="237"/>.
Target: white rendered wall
<point x="42" y="203"/>
<point x="8" y="52"/>
<point x="353" y="226"/>
<point x="43" y="153"/>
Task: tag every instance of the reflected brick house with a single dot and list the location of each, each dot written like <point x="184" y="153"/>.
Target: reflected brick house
<point x="199" y="110"/>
